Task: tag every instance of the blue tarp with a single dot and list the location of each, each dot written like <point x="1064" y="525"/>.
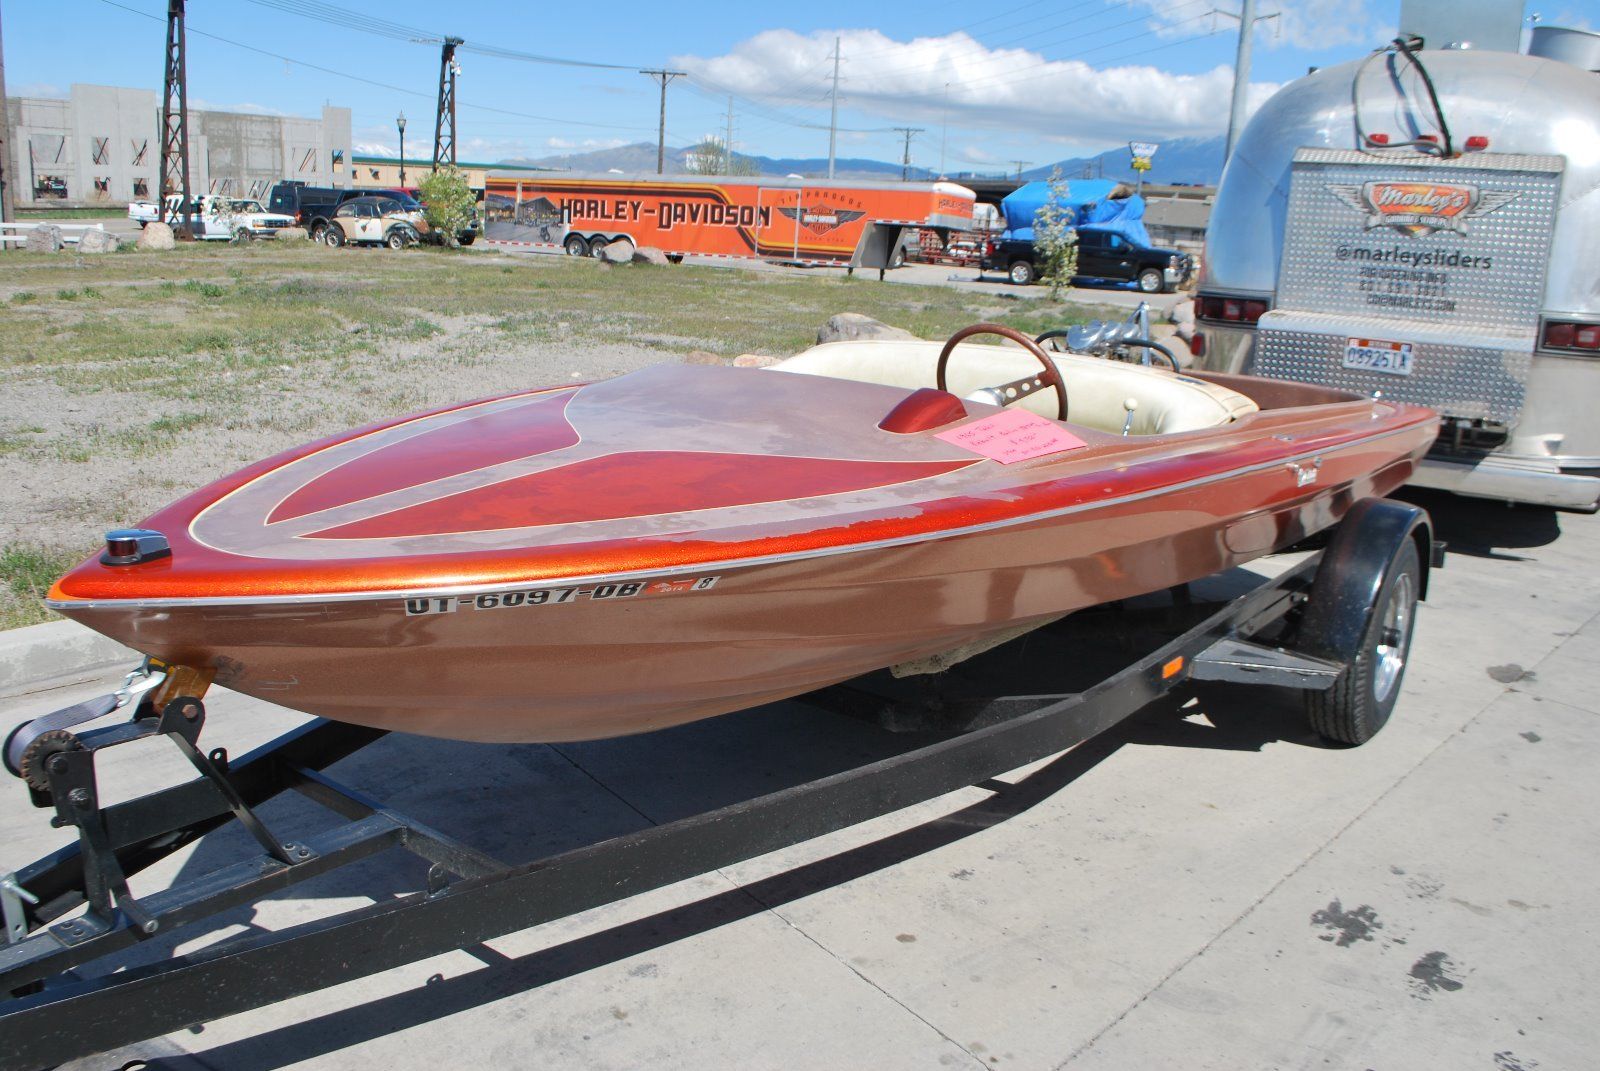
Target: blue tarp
<point x="1091" y="206"/>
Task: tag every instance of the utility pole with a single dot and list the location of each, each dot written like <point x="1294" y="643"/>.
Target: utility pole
<point x="444" y="119"/>
<point x="1241" y="69"/>
<point x="663" y="76"/>
<point x="727" y="143"/>
<point x="175" y="118"/>
<point x="833" y="119"/>
<point x="905" y="160"/>
<point x="6" y="208"/>
<point x="1020" y="165"/>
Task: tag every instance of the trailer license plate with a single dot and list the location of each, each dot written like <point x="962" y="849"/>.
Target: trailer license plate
<point x="1376" y="355"/>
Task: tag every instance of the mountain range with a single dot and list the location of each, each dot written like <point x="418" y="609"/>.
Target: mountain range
<point x="1187" y="161"/>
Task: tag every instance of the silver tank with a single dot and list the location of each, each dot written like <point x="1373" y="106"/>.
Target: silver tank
<point x="1522" y="104"/>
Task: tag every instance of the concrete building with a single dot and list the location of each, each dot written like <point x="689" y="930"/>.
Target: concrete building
<point x="101" y="145"/>
<point x="383" y="172"/>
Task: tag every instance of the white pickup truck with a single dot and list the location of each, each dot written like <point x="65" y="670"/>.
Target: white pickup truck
<point x="215" y="218"/>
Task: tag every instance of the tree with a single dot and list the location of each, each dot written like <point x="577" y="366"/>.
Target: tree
<point x="711" y="157"/>
<point x="450" y="202"/>
<point x="1055" y="239"/>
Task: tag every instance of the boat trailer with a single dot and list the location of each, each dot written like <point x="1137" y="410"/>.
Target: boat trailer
<point x="63" y="994"/>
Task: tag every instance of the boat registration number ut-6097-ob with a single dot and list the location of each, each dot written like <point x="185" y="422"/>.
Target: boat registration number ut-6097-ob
<point x="512" y="598"/>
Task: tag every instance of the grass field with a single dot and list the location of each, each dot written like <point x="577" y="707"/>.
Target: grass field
<point x="134" y="377"/>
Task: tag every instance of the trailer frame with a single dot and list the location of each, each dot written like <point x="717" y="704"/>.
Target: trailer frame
<point x="51" y="1013"/>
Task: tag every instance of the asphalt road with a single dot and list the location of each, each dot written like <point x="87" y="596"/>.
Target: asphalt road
<point x="1206" y="886"/>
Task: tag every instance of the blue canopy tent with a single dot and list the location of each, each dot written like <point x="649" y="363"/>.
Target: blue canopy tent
<point x="1091" y="205"/>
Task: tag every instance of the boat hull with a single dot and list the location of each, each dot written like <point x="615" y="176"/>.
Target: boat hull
<point x="692" y="643"/>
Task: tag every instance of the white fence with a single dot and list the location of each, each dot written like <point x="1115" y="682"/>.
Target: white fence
<point x="70" y="232"/>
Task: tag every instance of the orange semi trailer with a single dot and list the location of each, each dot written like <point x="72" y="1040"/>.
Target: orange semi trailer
<point x="807" y="221"/>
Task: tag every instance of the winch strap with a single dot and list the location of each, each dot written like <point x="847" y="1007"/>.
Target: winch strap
<point x="23" y="736"/>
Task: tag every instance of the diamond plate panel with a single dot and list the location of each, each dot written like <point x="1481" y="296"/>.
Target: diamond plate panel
<point x="1473" y="382"/>
<point x="1445" y="241"/>
<point x="1449" y="255"/>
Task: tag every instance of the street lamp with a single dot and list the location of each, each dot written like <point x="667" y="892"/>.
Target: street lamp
<point x="400" y="121"/>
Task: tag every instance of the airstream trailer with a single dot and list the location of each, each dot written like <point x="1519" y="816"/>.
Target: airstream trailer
<point x="1424" y="225"/>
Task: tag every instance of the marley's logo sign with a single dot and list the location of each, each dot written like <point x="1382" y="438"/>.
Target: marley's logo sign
<point x="821" y="219"/>
<point x="1419" y="208"/>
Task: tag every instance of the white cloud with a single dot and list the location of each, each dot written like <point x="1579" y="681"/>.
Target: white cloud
<point x="583" y="144"/>
<point x="201" y="105"/>
<point x="374" y="148"/>
<point x="926" y="80"/>
<point x="1303" y="23"/>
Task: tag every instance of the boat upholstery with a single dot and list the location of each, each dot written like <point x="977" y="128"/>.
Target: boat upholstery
<point x="1097" y="389"/>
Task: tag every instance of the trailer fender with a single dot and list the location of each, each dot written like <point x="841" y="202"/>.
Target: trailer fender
<point x="1352" y="572"/>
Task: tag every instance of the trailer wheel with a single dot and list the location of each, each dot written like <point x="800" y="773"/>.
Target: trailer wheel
<point x="1022" y="272"/>
<point x="576" y="245"/>
<point x="1355" y="708"/>
<point x="1151" y="281"/>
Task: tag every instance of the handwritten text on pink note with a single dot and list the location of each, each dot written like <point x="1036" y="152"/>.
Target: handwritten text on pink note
<point x="1012" y="436"/>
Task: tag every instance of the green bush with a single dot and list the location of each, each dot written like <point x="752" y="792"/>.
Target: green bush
<point x="450" y="202"/>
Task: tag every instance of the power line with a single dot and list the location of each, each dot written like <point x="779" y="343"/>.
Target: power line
<point x="558" y="120"/>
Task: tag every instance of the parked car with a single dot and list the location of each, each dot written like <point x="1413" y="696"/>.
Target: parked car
<point x="214" y="218"/>
<point x="311" y="206"/>
<point x="381" y="219"/>
<point x="1102" y="254"/>
<point x="465" y="236"/>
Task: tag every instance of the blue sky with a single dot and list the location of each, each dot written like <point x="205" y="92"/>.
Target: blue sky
<point x="1009" y="80"/>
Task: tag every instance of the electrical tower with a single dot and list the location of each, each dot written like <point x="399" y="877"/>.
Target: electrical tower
<point x="444" y="120"/>
<point x="662" y="75"/>
<point x="175" y="119"/>
<point x="1020" y="164"/>
<point x="905" y="160"/>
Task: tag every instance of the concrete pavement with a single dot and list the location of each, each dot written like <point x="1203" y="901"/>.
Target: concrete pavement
<point x="1205" y="887"/>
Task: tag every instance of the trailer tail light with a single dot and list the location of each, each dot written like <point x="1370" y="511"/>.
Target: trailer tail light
<point x="1377" y="139"/>
<point x="1477" y="143"/>
<point x="1569" y="335"/>
<point x="1230" y="310"/>
<point x="1197" y="344"/>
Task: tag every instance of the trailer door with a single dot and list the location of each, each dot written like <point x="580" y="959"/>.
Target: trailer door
<point x="778" y="215"/>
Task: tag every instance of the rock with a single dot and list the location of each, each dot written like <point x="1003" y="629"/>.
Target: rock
<point x="704" y="357"/>
<point x="1182" y="313"/>
<point x="619" y="252"/>
<point x="99" y="242"/>
<point x="157" y="236"/>
<point x="754" y="360"/>
<point x="1186" y="331"/>
<point x="294" y="234"/>
<point x="850" y="326"/>
<point x="45" y="238"/>
<point x="649" y="254"/>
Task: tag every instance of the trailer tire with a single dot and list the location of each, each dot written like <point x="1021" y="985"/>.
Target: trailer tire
<point x="1359" y="704"/>
<point x="576" y="245"/>
<point x="1021" y="272"/>
<point x="898" y="260"/>
<point x="1151" y="281"/>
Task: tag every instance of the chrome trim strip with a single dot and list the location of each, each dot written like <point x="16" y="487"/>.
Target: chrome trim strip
<point x="730" y="563"/>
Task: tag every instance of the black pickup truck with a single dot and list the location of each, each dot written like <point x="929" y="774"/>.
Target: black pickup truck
<point x="1101" y="255"/>
<point x="312" y="205"/>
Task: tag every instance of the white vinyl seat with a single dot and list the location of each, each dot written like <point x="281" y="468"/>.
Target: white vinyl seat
<point x="1097" y="389"/>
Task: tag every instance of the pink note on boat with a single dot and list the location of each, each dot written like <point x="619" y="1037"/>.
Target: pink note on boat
<point x="1012" y="436"/>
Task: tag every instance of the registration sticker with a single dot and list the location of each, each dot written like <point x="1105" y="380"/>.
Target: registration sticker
<point x="1377" y="355"/>
<point x="514" y="598"/>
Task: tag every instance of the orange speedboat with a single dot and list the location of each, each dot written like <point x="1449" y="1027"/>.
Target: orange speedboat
<point x="597" y="560"/>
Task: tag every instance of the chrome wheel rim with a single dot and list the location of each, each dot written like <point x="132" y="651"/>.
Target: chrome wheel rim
<point x="1394" y="634"/>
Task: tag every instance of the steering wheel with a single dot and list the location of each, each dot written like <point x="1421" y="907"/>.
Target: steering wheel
<point x="1017" y="389"/>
